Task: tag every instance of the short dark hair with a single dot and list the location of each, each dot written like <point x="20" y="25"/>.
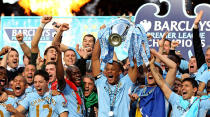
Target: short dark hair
<point x="159" y="68"/>
<point x="29" y="64"/>
<point x="192" y="81"/>
<point x="3" y="73"/>
<point x="46" y="50"/>
<point x="89" y="76"/>
<point x="69" y="49"/>
<point x="20" y="75"/>
<point x="124" y="61"/>
<point x="168" y="41"/>
<point x="13" y="49"/>
<point x="42" y="73"/>
<point x="69" y="70"/>
<point x="192" y="57"/>
<point x="24" y="55"/>
<point x="54" y="63"/>
<point x="120" y="66"/>
<point x="175" y="58"/>
<point x="72" y="51"/>
<point x="3" y="70"/>
<point x="89" y="35"/>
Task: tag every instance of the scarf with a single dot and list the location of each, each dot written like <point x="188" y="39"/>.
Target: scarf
<point x="91" y="99"/>
<point x="191" y="107"/>
<point x="72" y="86"/>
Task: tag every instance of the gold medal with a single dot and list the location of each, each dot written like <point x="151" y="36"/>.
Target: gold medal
<point x="78" y="108"/>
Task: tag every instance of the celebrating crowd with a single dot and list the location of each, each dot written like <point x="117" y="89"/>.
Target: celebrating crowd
<point x="75" y="85"/>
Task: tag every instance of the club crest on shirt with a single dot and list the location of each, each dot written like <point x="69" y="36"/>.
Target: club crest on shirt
<point x="120" y="84"/>
<point x="64" y="104"/>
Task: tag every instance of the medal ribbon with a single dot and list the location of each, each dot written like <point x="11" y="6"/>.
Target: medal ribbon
<point x="114" y="98"/>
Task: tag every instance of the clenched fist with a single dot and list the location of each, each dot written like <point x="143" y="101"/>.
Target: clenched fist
<point x="19" y="37"/>
<point x="10" y="108"/>
<point x="64" y="27"/>
<point x="46" y="19"/>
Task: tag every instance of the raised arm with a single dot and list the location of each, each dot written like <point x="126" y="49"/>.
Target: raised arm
<point x="26" y="50"/>
<point x="132" y="72"/>
<point x="161" y="43"/>
<point x="35" y="41"/>
<point x="159" y="80"/>
<point x="96" y="59"/>
<point x="14" y="112"/>
<point x="199" y="55"/>
<point x="63" y="47"/>
<point x="115" y="56"/>
<point x="60" y="70"/>
<point x="171" y="75"/>
<point x="21" y="109"/>
<point x="201" y="87"/>
<point x="61" y="29"/>
<point x="4" y="51"/>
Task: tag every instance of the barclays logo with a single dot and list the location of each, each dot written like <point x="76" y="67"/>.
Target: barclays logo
<point x="146" y="24"/>
<point x="176" y="21"/>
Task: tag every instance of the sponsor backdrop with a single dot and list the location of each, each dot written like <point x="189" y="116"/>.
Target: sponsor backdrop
<point x="176" y="21"/>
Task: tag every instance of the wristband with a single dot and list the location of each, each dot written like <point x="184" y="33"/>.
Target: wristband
<point x="21" y="42"/>
<point x="42" y="25"/>
<point x="98" y="76"/>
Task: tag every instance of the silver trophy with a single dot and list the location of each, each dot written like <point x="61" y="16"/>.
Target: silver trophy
<point x="119" y="32"/>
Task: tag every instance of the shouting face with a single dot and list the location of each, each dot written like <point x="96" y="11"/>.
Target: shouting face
<point x="192" y="65"/>
<point x="51" y="55"/>
<point x="51" y="70"/>
<point x="88" y="85"/>
<point x="40" y="84"/>
<point x="112" y="72"/>
<point x="19" y="85"/>
<point x="74" y="75"/>
<point x="13" y="59"/>
<point x="187" y="90"/>
<point x="29" y="73"/>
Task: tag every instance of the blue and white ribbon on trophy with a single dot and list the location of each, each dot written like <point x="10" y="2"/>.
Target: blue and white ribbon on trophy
<point x="134" y="40"/>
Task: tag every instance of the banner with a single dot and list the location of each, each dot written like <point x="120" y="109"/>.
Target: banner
<point x="177" y="22"/>
<point x="79" y="26"/>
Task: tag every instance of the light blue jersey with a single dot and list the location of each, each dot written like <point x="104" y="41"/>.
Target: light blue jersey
<point x="205" y="107"/>
<point x="30" y="89"/>
<point x="203" y="68"/>
<point x="184" y="64"/>
<point x="204" y="77"/>
<point x="75" y="109"/>
<point x="44" y="106"/>
<point x="19" y="99"/>
<point x="188" y="108"/>
<point x="122" y="102"/>
<point x="3" y="110"/>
